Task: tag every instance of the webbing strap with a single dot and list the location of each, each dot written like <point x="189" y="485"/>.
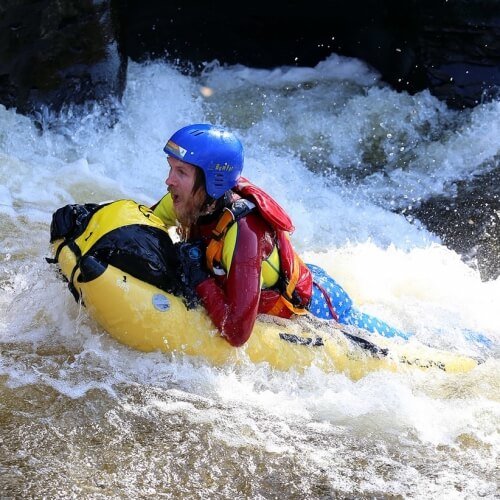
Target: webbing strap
<point x="229" y="216"/>
<point x="290" y="287"/>
<point x="214" y="248"/>
<point x="225" y="220"/>
<point x="283" y="302"/>
<point x="55" y="260"/>
<point x="328" y="301"/>
<point x="78" y="255"/>
<point x="292" y="283"/>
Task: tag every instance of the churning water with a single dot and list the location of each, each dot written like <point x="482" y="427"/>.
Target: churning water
<point x="82" y="416"/>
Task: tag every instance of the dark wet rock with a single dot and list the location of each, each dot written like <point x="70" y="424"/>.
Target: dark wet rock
<point x="451" y="48"/>
<point x="59" y="52"/>
<point x="469" y="222"/>
<point x="457" y="49"/>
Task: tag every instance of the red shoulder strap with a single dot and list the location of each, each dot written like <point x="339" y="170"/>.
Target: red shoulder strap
<point x="270" y="210"/>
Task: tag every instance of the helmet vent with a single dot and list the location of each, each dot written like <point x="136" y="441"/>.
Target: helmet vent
<point x="219" y="179"/>
<point x="197" y="132"/>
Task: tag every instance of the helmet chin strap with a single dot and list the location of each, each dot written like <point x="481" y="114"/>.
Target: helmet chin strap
<point x="211" y="204"/>
<point x="208" y="201"/>
<point x="208" y="205"/>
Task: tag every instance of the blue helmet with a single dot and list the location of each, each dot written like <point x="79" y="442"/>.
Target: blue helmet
<point x="215" y="150"/>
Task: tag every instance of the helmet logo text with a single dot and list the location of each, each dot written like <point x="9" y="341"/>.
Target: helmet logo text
<point x="224" y="168"/>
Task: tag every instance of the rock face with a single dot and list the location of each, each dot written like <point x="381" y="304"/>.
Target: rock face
<point x="450" y="47"/>
<point x="54" y="53"/>
<point x="469" y="223"/>
<point x="458" y="50"/>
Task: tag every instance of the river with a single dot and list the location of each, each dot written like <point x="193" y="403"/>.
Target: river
<point x="82" y="416"/>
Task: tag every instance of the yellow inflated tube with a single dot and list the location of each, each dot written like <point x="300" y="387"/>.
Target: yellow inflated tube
<point x="149" y="319"/>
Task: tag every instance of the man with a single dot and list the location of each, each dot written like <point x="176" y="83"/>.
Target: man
<point x="236" y="250"/>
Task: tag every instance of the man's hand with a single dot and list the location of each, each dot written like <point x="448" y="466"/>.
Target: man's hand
<point x="192" y="260"/>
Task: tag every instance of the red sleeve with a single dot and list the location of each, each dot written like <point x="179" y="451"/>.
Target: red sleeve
<point x="233" y="307"/>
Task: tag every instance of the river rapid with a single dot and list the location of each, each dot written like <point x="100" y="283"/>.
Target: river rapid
<point x="82" y="416"/>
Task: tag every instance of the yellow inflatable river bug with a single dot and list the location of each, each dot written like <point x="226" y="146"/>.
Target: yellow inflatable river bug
<point x="105" y="251"/>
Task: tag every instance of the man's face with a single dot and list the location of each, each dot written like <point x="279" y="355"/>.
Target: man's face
<point x="180" y="182"/>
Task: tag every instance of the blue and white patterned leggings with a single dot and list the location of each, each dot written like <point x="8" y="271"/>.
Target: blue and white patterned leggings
<point x="342" y="304"/>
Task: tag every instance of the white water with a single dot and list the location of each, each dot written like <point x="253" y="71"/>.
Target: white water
<point x="257" y="433"/>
